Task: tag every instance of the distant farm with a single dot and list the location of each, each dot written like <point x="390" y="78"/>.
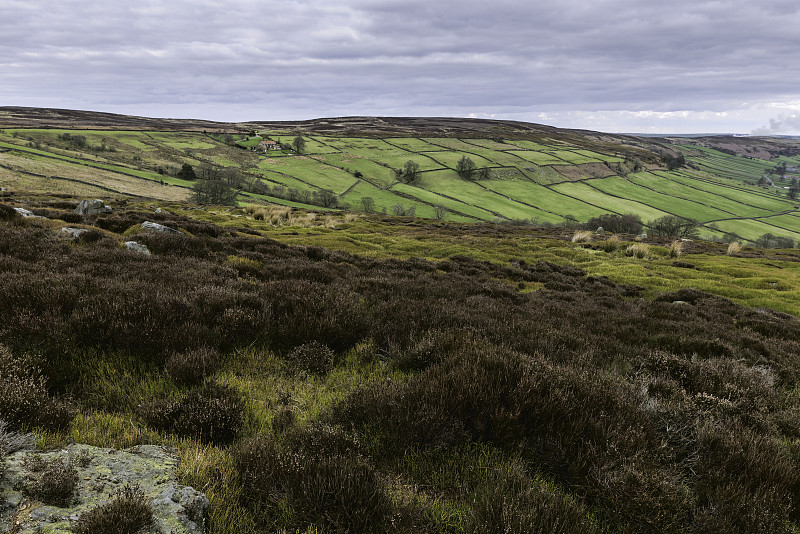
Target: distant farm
<point x="550" y="180"/>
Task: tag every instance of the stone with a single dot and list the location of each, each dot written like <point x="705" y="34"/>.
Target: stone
<point x="92" y="207"/>
<point x="155" y="227"/>
<point x="641" y="236"/>
<point x="25" y="213"/>
<point x="600" y="231"/>
<point x="73" y="233"/>
<point x="137" y="247"/>
<point x="161" y="210"/>
<point x="679" y="302"/>
<point x="101" y="472"/>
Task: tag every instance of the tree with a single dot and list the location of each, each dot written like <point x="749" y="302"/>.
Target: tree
<point x="673" y="226"/>
<point x="465" y="168"/>
<point x="298" y="144"/>
<point x="439" y="211"/>
<point x="213" y="192"/>
<point x="793" y="190"/>
<point x="186" y="172"/>
<point x="410" y="172"/>
<point x="617" y="224"/>
<point x="368" y="203"/>
<point x="483" y="174"/>
<point x="326" y="198"/>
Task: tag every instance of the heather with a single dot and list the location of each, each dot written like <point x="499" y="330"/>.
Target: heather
<point x="316" y="387"/>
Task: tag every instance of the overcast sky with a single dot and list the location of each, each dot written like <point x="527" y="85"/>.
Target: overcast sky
<point x="610" y="65"/>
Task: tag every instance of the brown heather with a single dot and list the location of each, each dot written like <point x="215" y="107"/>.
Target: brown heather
<point x="619" y="414"/>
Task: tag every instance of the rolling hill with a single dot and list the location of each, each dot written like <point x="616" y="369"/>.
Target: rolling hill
<point x="523" y="172"/>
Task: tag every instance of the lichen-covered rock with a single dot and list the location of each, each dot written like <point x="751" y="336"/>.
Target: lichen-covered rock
<point x="92" y="207"/>
<point x="25" y="213"/>
<point x="137" y="247"/>
<point x="101" y="473"/>
<point x="155" y="227"/>
<point x="73" y="233"/>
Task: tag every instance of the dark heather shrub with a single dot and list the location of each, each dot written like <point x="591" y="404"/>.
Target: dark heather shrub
<point x="321" y="476"/>
<point x="284" y="419"/>
<point x="518" y="505"/>
<point x="212" y="413"/>
<point x="24" y="400"/>
<point x="313" y="357"/>
<point x="50" y="481"/>
<point x="193" y="366"/>
<point x="8" y="213"/>
<point x="129" y="512"/>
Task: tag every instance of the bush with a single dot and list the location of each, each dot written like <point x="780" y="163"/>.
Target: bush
<point x="211" y="413"/>
<point x="618" y="224"/>
<point x="515" y="505"/>
<point x="673" y="226"/>
<point x="129" y="512"/>
<point x="313" y="357"/>
<point x="50" y="481"/>
<point x="321" y="476"/>
<point x="24" y="400"/>
<point x="8" y="213"/>
<point x="193" y="366"/>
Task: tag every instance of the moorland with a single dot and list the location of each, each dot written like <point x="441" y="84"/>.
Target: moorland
<point x="502" y="368"/>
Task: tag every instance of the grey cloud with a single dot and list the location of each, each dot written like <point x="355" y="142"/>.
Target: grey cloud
<point x="366" y="56"/>
<point x="783" y="124"/>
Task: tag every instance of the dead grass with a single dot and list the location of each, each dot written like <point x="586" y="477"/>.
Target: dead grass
<point x="638" y="250"/>
<point x="734" y="249"/>
<point x="675" y="249"/>
<point x="582" y="236"/>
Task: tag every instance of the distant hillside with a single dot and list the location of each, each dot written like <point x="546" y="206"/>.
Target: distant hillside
<point x="735" y="188"/>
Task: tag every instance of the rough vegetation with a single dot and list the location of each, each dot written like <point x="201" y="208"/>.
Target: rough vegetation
<point x="309" y="387"/>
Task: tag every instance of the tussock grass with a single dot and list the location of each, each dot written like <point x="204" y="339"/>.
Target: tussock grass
<point x="582" y="236"/>
<point x="734" y="248"/>
<point x="675" y="249"/>
<point x="638" y="250"/>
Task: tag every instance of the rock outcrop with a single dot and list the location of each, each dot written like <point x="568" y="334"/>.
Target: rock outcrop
<point x="137" y="247"/>
<point x="101" y="473"/>
<point x="92" y="207"/>
<point x="155" y="227"/>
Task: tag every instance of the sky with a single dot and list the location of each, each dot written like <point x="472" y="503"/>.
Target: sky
<point x="678" y="66"/>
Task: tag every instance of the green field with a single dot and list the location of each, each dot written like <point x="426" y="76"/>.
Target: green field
<point x="538" y="179"/>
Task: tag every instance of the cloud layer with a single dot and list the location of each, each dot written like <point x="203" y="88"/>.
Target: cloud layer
<point x="615" y="65"/>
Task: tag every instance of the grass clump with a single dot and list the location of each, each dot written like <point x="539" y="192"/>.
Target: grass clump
<point x="675" y="249"/>
<point x="129" y="512"/>
<point x="734" y="248"/>
<point x="639" y="251"/>
<point x="582" y="236"/>
<point x="50" y="481"/>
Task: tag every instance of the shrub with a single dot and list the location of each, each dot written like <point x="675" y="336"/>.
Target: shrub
<point x="673" y="226"/>
<point x="320" y="474"/>
<point x="609" y="245"/>
<point x="193" y="366"/>
<point x="24" y="400"/>
<point x="313" y="357"/>
<point x="50" y="481"/>
<point x="129" y="512"/>
<point x="211" y="413"/>
<point x="638" y="251"/>
<point x="618" y="224"/>
<point x="7" y="213"/>
<point x="515" y="505"/>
